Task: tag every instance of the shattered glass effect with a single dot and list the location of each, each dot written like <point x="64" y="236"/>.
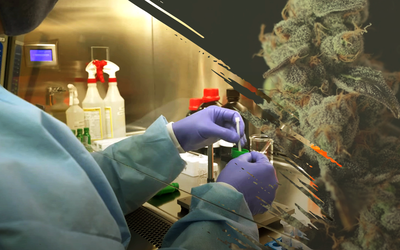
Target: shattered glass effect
<point x="321" y="90"/>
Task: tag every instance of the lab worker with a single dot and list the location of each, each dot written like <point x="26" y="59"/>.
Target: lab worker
<point x="56" y="195"/>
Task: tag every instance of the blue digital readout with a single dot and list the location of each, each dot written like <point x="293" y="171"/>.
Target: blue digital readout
<point x="41" y="55"/>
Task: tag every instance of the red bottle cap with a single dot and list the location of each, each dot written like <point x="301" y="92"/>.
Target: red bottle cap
<point x="99" y="69"/>
<point x="195" y="103"/>
<point x="210" y="95"/>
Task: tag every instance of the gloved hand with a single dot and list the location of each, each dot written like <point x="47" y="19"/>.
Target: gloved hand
<point x="208" y="126"/>
<point x="253" y="175"/>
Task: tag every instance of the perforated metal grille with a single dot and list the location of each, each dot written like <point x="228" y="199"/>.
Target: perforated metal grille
<point x="149" y="225"/>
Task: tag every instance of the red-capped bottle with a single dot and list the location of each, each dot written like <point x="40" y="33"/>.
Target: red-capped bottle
<point x="194" y="105"/>
<point x="210" y="98"/>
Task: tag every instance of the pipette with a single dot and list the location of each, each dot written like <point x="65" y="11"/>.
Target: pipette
<point x="238" y="132"/>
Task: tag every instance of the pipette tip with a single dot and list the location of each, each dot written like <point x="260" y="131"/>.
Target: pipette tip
<point x="237" y="119"/>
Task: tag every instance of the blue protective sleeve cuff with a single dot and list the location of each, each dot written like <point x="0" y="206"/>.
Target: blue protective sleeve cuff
<point x="173" y="138"/>
<point x="227" y="185"/>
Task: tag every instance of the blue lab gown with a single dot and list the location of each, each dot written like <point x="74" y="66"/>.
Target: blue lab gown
<point x="56" y="195"/>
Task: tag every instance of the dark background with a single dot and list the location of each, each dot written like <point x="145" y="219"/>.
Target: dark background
<point x="231" y="29"/>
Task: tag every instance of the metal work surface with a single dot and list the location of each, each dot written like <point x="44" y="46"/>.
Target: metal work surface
<point x="168" y="203"/>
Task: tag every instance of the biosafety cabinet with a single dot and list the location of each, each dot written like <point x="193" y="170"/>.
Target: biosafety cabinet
<point x="161" y="68"/>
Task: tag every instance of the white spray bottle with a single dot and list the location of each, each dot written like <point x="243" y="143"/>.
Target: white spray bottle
<point x="114" y="104"/>
<point x="93" y="105"/>
<point x="75" y="114"/>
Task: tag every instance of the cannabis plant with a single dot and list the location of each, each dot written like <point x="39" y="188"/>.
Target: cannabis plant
<point x="324" y="88"/>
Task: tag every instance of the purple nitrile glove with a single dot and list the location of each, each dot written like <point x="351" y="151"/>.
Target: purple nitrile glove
<point x="254" y="176"/>
<point x="208" y="126"/>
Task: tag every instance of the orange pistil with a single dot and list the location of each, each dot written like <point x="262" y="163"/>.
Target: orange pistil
<point x="324" y="154"/>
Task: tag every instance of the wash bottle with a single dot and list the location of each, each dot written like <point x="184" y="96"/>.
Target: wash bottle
<point x="75" y="114"/>
<point x="93" y="104"/>
<point x="114" y="105"/>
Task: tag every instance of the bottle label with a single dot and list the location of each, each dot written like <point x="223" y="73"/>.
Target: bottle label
<point x="94" y="123"/>
<point x="85" y="140"/>
<point x="109" y="125"/>
<point x="79" y="124"/>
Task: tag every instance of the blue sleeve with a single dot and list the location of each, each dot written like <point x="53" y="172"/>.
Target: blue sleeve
<point x="210" y="226"/>
<point x="53" y="194"/>
<point x="134" y="166"/>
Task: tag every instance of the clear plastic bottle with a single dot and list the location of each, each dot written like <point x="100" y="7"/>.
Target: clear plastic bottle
<point x="75" y="114"/>
<point x="93" y="106"/>
<point x="114" y="105"/>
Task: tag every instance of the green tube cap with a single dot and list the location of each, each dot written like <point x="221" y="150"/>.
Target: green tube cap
<point x="236" y="153"/>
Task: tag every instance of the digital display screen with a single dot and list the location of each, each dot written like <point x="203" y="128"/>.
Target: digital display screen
<point x="41" y="55"/>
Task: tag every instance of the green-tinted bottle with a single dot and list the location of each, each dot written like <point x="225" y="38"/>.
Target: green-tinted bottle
<point x="86" y="140"/>
<point x="86" y="136"/>
<point x="80" y="135"/>
<point x="73" y="131"/>
<point x="168" y="189"/>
